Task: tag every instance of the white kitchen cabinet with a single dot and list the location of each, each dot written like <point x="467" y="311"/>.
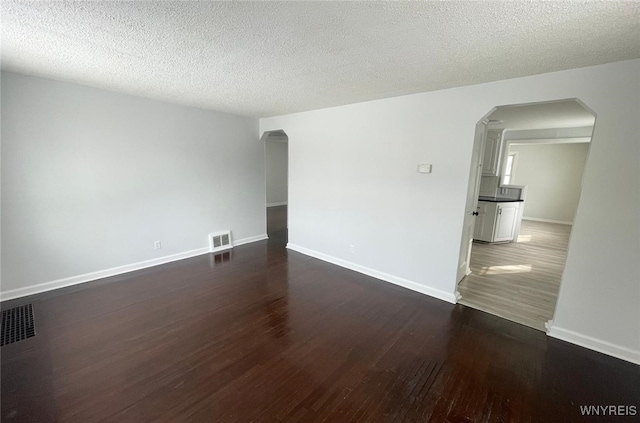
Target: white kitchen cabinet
<point x="505" y="222"/>
<point x="491" y="156"/>
<point x="496" y="221"/>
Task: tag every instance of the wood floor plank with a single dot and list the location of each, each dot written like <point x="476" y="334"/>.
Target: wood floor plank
<point x="263" y="334"/>
<point x="519" y="281"/>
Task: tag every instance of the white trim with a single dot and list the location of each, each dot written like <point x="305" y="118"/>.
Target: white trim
<point x="100" y="274"/>
<point x="554" y="140"/>
<point x="405" y="283"/>
<point x="595" y="344"/>
<point x="535" y="219"/>
<point x="284" y="203"/>
<point x="547" y="326"/>
<point x="250" y="240"/>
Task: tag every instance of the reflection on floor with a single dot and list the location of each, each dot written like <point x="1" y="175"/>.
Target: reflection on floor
<point x="277" y="223"/>
<point x="267" y="334"/>
<point x="519" y="281"/>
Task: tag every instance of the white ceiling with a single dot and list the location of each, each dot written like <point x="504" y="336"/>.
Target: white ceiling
<point x="557" y="114"/>
<point x="271" y="58"/>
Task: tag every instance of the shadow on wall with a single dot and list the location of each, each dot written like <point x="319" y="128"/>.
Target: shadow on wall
<point x="276" y="167"/>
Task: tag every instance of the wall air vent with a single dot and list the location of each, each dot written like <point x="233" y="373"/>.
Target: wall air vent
<point x="219" y="241"/>
<point x="17" y="324"/>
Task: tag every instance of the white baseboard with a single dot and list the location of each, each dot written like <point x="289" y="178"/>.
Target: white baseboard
<point x="114" y="271"/>
<point x="250" y="240"/>
<point x="595" y="344"/>
<point x="284" y="203"/>
<point x="535" y="219"/>
<point x="405" y="283"/>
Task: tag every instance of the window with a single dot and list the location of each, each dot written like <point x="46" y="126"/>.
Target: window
<point x="509" y="169"/>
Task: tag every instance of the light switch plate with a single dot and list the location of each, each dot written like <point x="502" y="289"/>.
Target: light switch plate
<point x="424" y="168"/>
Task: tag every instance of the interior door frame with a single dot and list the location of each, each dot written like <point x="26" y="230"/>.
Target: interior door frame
<point x="473" y="188"/>
<point x="275" y="135"/>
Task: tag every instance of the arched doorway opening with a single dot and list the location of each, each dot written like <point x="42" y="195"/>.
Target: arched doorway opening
<point x="276" y="145"/>
<point x="524" y="189"/>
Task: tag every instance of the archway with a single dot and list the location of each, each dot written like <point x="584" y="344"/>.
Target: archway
<point x="528" y="165"/>
<point x="276" y="184"/>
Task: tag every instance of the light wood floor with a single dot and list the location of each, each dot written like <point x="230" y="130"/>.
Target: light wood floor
<point x="519" y="281"/>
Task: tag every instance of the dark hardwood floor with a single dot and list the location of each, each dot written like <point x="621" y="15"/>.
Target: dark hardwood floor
<point x="262" y="334"/>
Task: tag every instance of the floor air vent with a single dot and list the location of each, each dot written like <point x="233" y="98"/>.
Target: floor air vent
<point x="17" y="324"/>
<point x="219" y="241"/>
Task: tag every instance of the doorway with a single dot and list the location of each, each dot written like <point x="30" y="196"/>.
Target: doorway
<point x="529" y="167"/>
<point x="276" y="180"/>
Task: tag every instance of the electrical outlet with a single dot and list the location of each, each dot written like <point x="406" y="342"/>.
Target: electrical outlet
<point x="504" y="191"/>
<point x="157" y="245"/>
<point x="352" y="248"/>
<point x="424" y="168"/>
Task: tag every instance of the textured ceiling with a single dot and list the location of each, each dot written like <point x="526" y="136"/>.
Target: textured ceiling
<point x="556" y="114"/>
<point x="271" y="58"/>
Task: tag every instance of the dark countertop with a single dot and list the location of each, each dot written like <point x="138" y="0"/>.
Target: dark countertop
<point x="499" y="200"/>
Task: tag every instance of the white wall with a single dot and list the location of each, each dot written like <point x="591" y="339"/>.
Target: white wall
<point x="353" y="180"/>
<point x="276" y="172"/>
<point x="553" y="176"/>
<point x="91" y="178"/>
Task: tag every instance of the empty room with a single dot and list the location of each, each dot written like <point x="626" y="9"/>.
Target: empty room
<point x="281" y="211"/>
